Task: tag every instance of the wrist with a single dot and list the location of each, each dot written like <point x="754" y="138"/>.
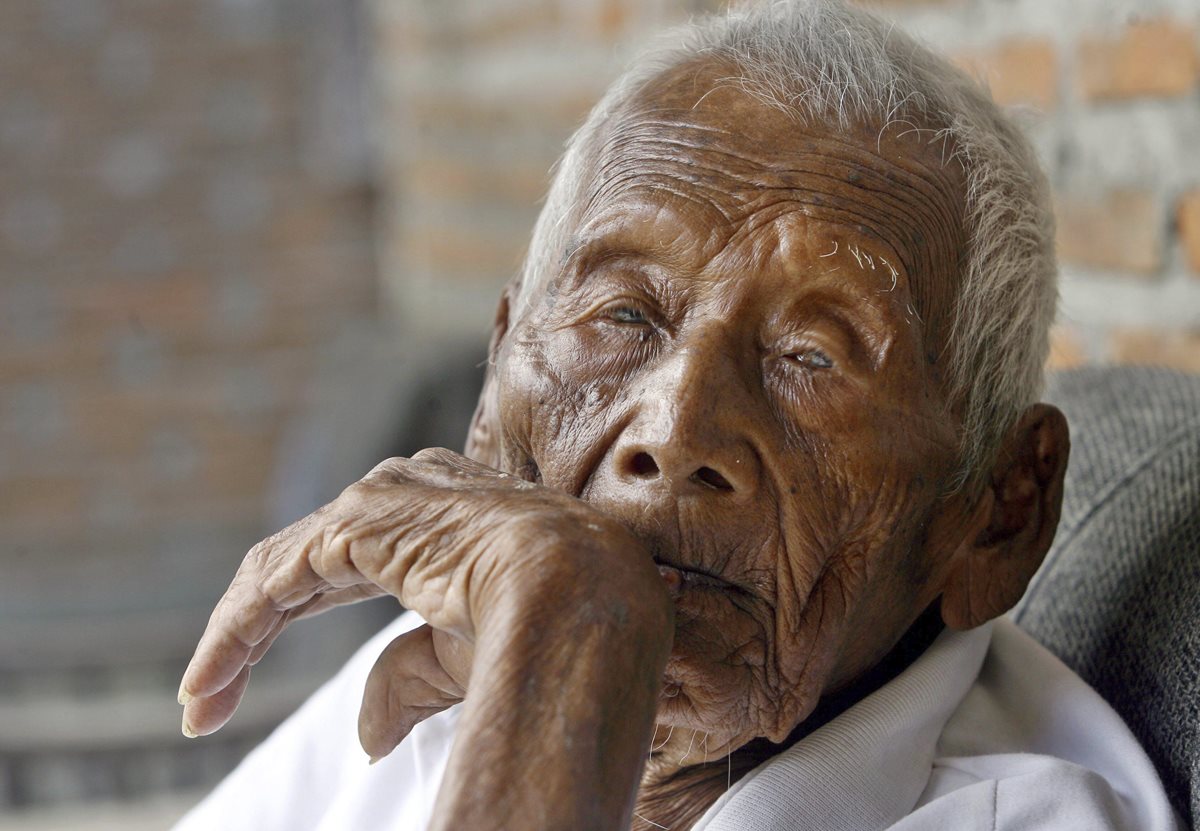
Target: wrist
<point x="568" y="665"/>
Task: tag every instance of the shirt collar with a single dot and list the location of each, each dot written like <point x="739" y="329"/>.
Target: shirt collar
<point x="867" y="767"/>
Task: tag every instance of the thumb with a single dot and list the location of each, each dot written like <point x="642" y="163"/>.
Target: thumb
<point x="407" y="685"/>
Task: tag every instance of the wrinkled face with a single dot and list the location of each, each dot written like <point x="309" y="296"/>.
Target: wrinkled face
<point x="734" y="357"/>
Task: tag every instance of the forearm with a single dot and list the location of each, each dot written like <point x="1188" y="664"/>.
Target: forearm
<point x="555" y="735"/>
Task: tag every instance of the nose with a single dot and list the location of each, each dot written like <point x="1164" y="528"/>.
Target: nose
<point x="643" y="464"/>
<point x="690" y="434"/>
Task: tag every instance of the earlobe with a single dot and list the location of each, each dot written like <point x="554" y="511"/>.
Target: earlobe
<point x="483" y="438"/>
<point x="1014" y="523"/>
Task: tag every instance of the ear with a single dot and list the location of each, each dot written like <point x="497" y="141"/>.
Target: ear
<point x="483" y="438"/>
<point x="1013" y="523"/>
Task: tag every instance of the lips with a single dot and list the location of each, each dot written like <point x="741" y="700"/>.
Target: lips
<point x="678" y="578"/>
<point x="678" y="574"/>
<point x="673" y="577"/>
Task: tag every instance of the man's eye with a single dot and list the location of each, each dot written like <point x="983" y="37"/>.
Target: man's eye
<point x="812" y="359"/>
<point x="626" y="314"/>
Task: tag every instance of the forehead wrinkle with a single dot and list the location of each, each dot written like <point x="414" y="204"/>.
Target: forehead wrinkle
<point x="887" y="188"/>
<point x="907" y="204"/>
<point x="832" y="146"/>
<point x="912" y="260"/>
<point x="656" y="162"/>
<point x="886" y="223"/>
<point x="915" y="197"/>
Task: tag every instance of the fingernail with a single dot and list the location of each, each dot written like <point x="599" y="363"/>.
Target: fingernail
<point x="183" y="696"/>
<point x="188" y="731"/>
<point x="374" y="759"/>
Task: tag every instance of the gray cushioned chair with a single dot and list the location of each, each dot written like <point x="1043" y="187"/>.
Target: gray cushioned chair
<point x="1118" y="598"/>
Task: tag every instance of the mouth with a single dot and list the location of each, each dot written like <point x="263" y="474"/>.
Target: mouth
<point x="679" y="577"/>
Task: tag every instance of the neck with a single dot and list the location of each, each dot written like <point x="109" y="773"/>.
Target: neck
<point x="674" y="795"/>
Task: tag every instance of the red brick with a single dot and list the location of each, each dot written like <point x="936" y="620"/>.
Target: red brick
<point x="168" y="399"/>
<point x="397" y="34"/>
<point x="1154" y="347"/>
<point x="1018" y="71"/>
<point x="171" y="303"/>
<point x="1155" y="57"/>
<point x="612" y="18"/>
<point x="466" y="112"/>
<point x="1066" y="349"/>
<point x="1121" y="231"/>
<point x="240" y="466"/>
<point x="462" y="250"/>
<point x="436" y="176"/>
<point x="1189" y="228"/>
<point x="503" y="25"/>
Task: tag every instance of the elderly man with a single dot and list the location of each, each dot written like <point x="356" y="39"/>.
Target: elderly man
<point x="760" y="422"/>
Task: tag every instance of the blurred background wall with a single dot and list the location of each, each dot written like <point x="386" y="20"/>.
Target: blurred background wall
<point x="475" y="98"/>
<point x="185" y="234"/>
<point x="235" y="234"/>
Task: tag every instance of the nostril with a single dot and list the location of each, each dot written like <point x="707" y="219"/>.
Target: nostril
<point x="643" y="465"/>
<point x="713" y="479"/>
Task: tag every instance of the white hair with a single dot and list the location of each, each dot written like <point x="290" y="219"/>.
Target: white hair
<point x="827" y="63"/>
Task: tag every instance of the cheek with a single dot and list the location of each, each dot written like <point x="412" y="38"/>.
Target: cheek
<point x="846" y="582"/>
<point x="554" y="406"/>
<point x="521" y="390"/>
<point x="879" y="581"/>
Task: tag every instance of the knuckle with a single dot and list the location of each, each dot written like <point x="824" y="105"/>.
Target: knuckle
<point x="433" y="454"/>
<point x="332" y="547"/>
<point x="449" y="461"/>
<point x="258" y="558"/>
<point x="392" y="463"/>
<point x="388" y="472"/>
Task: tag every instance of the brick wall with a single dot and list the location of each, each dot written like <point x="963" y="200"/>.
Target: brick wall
<point x="179" y="247"/>
<point x="476" y="98"/>
<point x="170" y="267"/>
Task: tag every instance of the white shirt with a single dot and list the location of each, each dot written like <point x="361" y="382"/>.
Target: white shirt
<point x="986" y="730"/>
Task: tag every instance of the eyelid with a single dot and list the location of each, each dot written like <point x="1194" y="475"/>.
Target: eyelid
<point x="809" y="350"/>
<point x="794" y="351"/>
<point x="859" y="337"/>
<point x="845" y="338"/>
<point x="648" y="308"/>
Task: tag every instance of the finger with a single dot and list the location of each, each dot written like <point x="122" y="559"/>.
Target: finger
<point x="457" y="461"/>
<point x="455" y="656"/>
<point x="406" y="686"/>
<point x="202" y="716"/>
<point x="321" y="603"/>
<point x="281" y="579"/>
<point x="432" y="466"/>
<point x="337" y="597"/>
<point x="242" y="619"/>
<point x="274" y="577"/>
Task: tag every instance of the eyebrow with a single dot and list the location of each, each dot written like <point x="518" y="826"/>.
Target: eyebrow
<point x="586" y="257"/>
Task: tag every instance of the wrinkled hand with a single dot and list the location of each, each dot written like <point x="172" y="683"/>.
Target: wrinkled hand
<point x="342" y="553"/>
<point x="418" y="674"/>
<point x="552" y="610"/>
